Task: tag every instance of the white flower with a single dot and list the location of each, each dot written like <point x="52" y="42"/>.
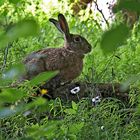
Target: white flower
<point x="102" y="127"/>
<point x="75" y="90"/>
<point x="96" y="100"/>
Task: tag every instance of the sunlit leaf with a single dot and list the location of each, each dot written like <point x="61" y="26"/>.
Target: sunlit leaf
<point x="70" y="111"/>
<point x="74" y="105"/>
<point x="42" y="77"/>
<point x="114" y="38"/>
<point x="11" y="95"/>
<point x="23" y="28"/>
<point x="2" y="2"/>
<point x="14" y="1"/>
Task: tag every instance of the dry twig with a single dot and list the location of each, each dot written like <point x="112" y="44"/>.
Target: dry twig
<point x="101" y="12"/>
<point x="5" y="56"/>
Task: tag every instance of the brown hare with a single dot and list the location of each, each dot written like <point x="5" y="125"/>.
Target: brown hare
<point x="68" y="60"/>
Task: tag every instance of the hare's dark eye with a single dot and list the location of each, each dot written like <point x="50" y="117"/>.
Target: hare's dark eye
<point x="77" y="39"/>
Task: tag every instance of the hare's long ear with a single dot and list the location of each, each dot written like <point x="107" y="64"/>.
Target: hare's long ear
<point x="64" y="26"/>
<point x="56" y="23"/>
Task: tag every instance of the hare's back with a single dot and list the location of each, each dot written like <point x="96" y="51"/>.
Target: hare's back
<point x="49" y="52"/>
<point x="52" y="59"/>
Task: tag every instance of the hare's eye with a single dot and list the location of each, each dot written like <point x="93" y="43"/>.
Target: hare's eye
<point x="77" y="39"/>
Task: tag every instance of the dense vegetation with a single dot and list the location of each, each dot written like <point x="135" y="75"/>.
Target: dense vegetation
<point x="24" y="28"/>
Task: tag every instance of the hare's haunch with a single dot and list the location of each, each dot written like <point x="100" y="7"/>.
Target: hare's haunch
<point x="68" y="60"/>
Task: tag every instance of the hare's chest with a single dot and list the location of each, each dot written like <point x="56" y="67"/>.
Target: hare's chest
<point x="72" y="72"/>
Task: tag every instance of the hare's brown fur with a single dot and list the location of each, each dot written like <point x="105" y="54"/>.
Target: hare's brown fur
<point x="68" y="60"/>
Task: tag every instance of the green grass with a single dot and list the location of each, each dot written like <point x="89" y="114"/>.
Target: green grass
<point x="109" y="120"/>
<point x="41" y="119"/>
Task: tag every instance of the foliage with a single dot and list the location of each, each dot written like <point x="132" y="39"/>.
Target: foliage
<point x="24" y="28"/>
<point x="114" y="38"/>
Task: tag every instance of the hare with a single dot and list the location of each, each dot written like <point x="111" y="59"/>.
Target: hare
<point x="68" y="60"/>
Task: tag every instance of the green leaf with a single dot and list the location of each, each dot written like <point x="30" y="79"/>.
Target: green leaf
<point x="14" y="1"/>
<point x="23" y="28"/>
<point x="2" y="2"/>
<point x="38" y="102"/>
<point x="75" y="128"/>
<point x="6" y="112"/>
<point x="9" y="112"/>
<point x="131" y="80"/>
<point x="45" y="76"/>
<point x="49" y="130"/>
<point x="11" y="95"/>
<point x="114" y="38"/>
<point x="74" y="105"/>
<point x="70" y="111"/>
<point x="32" y="129"/>
<point x="11" y="74"/>
<point x="131" y="5"/>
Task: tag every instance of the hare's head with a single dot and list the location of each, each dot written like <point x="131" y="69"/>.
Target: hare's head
<point x="73" y="42"/>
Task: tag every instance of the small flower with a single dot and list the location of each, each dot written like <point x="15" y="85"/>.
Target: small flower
<point x="75" y="90"/>
<point x="96" y="100"/>
<point x="44" y="91"/>
<point x="102" y="127"/>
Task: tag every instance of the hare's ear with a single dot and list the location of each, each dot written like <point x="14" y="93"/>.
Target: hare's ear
<point x="56" y="23"/>
<point x="64" y="26"/>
